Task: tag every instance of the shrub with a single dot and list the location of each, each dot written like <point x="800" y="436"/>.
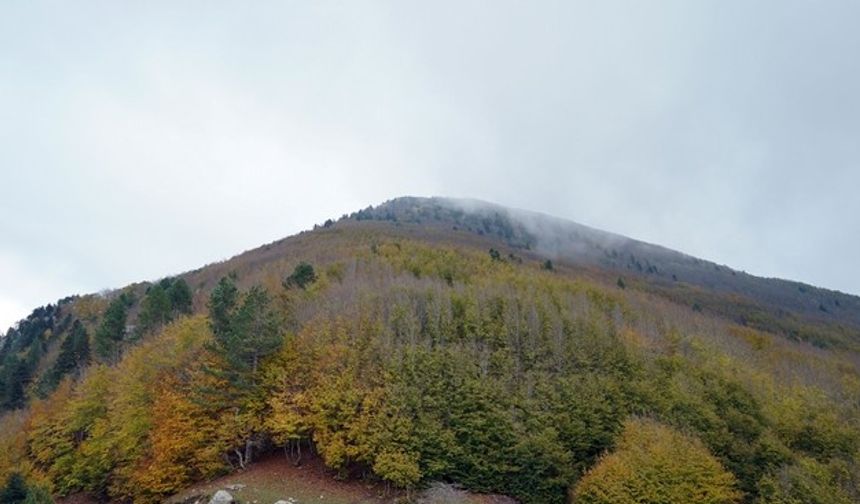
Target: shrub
<point x="302" y="276"/>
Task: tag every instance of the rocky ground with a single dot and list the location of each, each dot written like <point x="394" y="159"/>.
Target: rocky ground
<point x="274" y="480"/>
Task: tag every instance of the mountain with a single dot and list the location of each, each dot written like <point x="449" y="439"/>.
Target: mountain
<point x="575" y="244"/>
<point x="440" y="340"/>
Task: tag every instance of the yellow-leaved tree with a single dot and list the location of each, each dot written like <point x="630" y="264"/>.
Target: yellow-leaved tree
<point x="653" y="463"/>
<point x="183" y="445"/>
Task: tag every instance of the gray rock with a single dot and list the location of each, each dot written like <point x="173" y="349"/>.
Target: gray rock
<point x="222" y="497"/>
<point x="444" y="493"/>
<point x="237" y="486"/>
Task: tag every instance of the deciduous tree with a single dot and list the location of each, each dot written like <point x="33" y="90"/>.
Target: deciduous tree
<point x="653" y="463"/>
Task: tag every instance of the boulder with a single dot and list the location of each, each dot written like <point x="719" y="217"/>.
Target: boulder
<point x="445" y="493"/>
<point x="222" y="497"/>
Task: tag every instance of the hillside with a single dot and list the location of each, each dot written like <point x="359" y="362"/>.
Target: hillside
<point x="666" y="269"/>
<point x="429" y="340"/>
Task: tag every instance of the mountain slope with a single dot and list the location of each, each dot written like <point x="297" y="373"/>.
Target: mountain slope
<point x="798" y="311"/>
<point x="435" y="339"/>
<point x="577" y="244"/>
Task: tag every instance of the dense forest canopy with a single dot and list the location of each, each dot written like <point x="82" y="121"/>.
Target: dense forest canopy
<point x="418" y="342"/>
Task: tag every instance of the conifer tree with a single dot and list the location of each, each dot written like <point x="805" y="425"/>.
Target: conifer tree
<point x="222" y="302"/>
<point x="302" y="276"/>
<point x="155" y="309"/>
<point x="163" y="302"/>
<point x="15" y="377"/>
<point x="180" y="297"/>
<point x="111" y="331"/>
<point x="243" y="333"/>
<point x="74" y="354"/>
<point x="15" y="490"/>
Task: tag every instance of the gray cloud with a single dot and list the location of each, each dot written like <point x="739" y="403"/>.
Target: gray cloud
<point x="140" y="140"/>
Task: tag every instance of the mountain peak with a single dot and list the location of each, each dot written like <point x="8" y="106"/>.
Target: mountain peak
<point x="576" y="244"/>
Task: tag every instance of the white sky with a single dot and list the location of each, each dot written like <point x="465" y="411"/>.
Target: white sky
<point x="140" y="139"/>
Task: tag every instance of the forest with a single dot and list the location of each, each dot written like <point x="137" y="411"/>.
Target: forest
<point x="409" y="356"/>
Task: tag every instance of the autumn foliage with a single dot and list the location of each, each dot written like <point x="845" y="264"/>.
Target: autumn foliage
<point x="412" y="362"/>
<point x="653" y="463"/>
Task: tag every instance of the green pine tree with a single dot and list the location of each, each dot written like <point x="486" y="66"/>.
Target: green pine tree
<point x="180" y="296"/>
<point x="222" y="303"/>
<point x="243" y="333"/>
<point x="15" y="490"/>
<point x="155" y="309"/>
<point x="15" y="378"/>
<point x="302" y="276"/>
<point x="111" y="331"/>
<point x="74" y="354"/>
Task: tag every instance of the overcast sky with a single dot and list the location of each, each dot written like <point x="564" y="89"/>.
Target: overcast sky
<point x="141" y="139"/>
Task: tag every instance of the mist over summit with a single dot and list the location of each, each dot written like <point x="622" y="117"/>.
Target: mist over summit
<point x="575" y="244"/>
